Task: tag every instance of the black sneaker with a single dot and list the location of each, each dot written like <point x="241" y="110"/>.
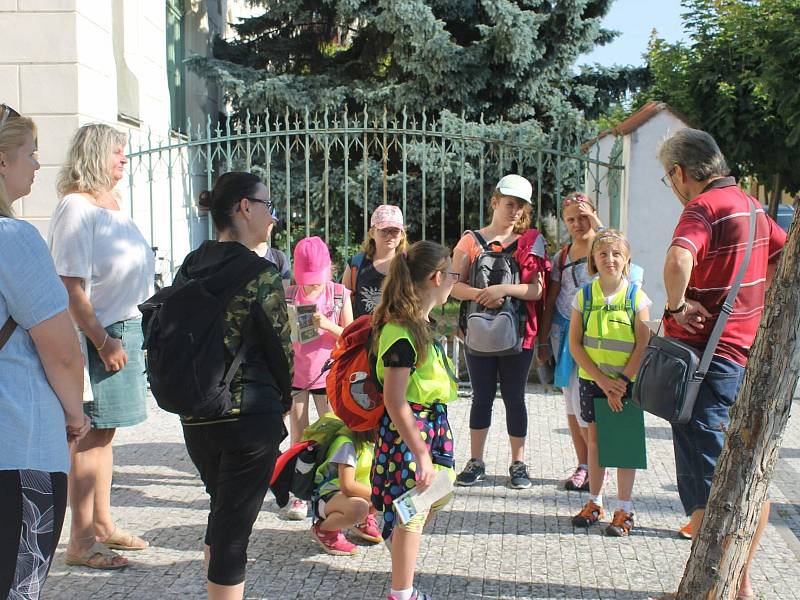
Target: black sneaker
<point x="518" y="476"/>
<point x="474" y="472"/>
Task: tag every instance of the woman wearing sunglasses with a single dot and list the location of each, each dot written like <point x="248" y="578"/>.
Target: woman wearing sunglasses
<point x="569" y="274"/>
<point x="107" y="267"/>
<point x="41" y="385"/>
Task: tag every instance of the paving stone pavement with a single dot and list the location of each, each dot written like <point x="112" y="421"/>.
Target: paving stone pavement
<point x="491" y="542"/>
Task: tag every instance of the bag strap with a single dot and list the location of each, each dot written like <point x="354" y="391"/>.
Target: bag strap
<point x="563" y="255"/>
<point x="587" y="303"/>
<point x="630" y="298"/>
<point x="356" y="263"/>
<point x="7" y="331"/>
<point x="440" y="350"/>
<point x="291" y="294"/>
<point x="481" y="240"/>
<point x="727" y="306"/>
<point x="247" y="342"/>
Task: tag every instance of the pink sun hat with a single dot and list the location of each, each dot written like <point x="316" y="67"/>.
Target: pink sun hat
<point x="387" y="215"/>
<point x="312" y="262"/>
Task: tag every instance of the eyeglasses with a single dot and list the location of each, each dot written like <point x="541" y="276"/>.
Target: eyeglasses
<point x="268" y="203"/>
<point x="667" y="179"/>
<point x="6" y="112"/>
<point x="453" y="275"/>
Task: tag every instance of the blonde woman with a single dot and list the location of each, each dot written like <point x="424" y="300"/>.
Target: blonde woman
<point x="42" y="379"/>
<point x="107" y="267"/>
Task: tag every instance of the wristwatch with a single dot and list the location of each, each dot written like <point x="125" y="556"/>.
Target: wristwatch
<point x="677" y="310"/>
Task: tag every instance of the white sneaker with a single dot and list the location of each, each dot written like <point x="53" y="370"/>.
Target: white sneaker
<point x="296" y="510"/>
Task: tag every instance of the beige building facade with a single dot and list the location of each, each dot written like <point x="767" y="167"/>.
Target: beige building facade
<point x="70" y="62"/>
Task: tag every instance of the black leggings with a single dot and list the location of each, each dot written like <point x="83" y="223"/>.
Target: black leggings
<point x="512" y="371"/>
<point x="235" y="460"/>
<point x="32" y="506"/>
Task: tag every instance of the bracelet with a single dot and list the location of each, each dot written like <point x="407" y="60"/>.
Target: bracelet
<point x="625" y="378"/>
<point x="677" y="310"/>
<point x="103" y="345"/>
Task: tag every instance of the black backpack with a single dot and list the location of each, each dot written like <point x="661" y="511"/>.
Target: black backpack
<point x="184" y="341"/>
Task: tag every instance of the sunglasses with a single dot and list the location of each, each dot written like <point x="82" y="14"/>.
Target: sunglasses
<point x="6" y="113"/>
<point x="576" y="198"/>
<point x="268" y="203"/>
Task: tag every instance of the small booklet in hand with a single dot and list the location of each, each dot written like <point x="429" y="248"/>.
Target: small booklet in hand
<point x="301" y="322"/>
<point x="414" y="501"/>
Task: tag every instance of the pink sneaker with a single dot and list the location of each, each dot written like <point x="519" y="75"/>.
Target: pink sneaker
<point x="368" y="530"/>
<point x="578" y="481"/>
<point x="333" y="542"/>
<point x="416" y="595"/>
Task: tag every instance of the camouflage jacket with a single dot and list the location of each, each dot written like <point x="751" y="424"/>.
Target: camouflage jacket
<point x="261" y="384"/>
<point x="267" y="291"/>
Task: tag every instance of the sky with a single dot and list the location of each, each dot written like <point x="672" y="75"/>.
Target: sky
<point x="635" y="19"/>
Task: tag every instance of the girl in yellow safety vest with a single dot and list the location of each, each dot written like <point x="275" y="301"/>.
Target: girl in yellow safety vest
<point x="342" y="493"/>
<point x="607" y="338"/>
<point x="414" y="437"/>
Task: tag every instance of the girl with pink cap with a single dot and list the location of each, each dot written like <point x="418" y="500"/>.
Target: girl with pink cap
<point x="312" y="274"/>
<point x="366" y="270"/>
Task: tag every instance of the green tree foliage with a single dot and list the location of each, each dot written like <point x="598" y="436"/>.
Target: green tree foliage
<point x="737" y="79"/>
<point x="500" y="58"/>
<point x="495" y="68"/>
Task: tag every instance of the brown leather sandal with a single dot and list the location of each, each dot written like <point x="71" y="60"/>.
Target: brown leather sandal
<point x="124" y="540"/>
<point x="97" y="549"/>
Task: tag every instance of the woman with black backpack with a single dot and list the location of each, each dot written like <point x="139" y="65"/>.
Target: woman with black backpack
<point x="512" y="243"/>
<point x="235" y="453"/>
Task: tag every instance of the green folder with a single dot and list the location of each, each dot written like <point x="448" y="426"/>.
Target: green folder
<point x="620" y="436"/>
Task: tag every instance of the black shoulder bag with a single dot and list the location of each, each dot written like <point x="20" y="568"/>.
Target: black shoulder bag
<point x="671" y="372"/>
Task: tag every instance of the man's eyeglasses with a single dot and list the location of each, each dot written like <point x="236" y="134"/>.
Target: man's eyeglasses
<point x="6" y="113"/>
<point x="667" y="179"/>
<point x="268" y="203"/>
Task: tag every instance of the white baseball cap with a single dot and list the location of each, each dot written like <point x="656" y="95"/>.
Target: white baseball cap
<point x="517" y="186"/>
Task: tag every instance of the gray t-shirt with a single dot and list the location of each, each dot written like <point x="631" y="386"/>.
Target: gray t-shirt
<point x="280" y="260"/>
<point x="32" y="432"/>
<point x="575" y="274"/>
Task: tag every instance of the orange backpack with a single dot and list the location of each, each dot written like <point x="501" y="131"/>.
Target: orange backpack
<point x="354" y="392"/>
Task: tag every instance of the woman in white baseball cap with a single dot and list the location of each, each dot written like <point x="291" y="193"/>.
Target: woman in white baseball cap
<point x="508" y="232"/>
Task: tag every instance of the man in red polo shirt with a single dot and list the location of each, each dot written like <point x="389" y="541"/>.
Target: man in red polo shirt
<point x="707" y="250"/>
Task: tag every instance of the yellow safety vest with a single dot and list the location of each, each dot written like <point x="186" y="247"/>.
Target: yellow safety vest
<point x="327" y="479"/>
<point x="608" y="334"/>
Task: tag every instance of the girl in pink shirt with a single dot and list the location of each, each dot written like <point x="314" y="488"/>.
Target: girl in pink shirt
<point x="334" y="311"/>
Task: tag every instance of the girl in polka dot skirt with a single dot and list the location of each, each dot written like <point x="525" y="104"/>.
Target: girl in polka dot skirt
<point x="414" y="438"/>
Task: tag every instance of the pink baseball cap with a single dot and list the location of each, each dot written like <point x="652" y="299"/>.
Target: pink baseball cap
<point x="387" y="215"/>
<point x="312" y="262"/>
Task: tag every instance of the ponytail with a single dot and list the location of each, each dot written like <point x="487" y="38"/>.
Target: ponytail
<point x="402" y="292"/>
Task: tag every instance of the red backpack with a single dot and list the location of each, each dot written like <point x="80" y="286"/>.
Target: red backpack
<point x="354" y="392"/>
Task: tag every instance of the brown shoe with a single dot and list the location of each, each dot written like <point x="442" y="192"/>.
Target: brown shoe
<point x="621" y="524"/>
<point x="590" y="515"/>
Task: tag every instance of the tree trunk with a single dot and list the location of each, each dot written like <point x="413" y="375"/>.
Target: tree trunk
<point x="775" y="196"/>
<point x="758" y="420"/>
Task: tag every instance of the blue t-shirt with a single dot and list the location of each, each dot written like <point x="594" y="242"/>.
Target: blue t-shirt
<point x="32" y="430"/>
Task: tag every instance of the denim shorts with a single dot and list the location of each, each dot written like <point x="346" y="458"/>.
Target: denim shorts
<point x="699" y="442"/>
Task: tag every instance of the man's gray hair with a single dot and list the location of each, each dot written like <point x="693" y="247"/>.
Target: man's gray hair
<point x="695" y="151"/>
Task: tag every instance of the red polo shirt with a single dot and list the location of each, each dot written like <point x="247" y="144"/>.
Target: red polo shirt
<point x="714" y="227"/>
